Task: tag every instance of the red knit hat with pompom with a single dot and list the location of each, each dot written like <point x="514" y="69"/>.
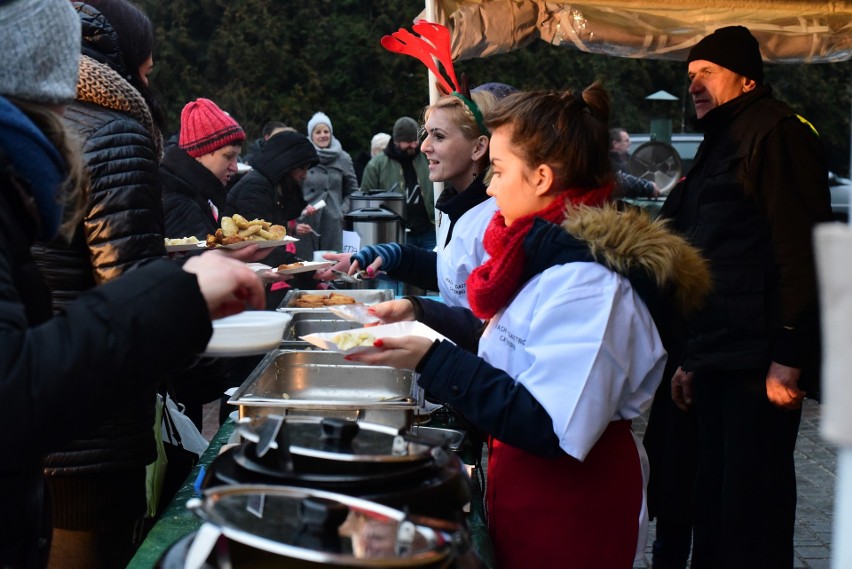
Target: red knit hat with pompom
<point x="205" y="128"/>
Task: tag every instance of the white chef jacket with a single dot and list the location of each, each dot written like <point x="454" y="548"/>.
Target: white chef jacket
<point x="464" y="253"/>
<point x="583" y="343"/>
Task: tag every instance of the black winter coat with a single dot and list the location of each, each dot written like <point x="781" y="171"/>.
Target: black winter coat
<point x="189" y="190"/>
<point x="418" y="266"/>
<point x="58" y="373"/>
<point x="749" y="203"/>
<point x="122" y="230"/>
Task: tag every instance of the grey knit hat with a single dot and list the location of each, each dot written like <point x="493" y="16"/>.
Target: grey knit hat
<point x="405" y="130"/>
<point x="40" y="43"/>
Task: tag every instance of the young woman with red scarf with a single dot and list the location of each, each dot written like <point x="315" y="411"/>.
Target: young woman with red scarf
<point x="576" y="296"/>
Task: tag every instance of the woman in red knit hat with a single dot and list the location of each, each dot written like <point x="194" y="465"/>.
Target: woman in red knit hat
<point x="196" y="172"/>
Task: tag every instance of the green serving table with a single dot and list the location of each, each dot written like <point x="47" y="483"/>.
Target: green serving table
<point x="177" y="521"/>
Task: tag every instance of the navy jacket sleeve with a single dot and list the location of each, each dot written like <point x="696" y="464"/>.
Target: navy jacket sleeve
<point x="456" y="323"/>
<point x="417" y="267"/>
<point x="488" y="398"/>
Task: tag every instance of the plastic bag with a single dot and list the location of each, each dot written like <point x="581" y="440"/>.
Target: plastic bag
<point x="179" y="447"/>
<point x="187" y="434"/>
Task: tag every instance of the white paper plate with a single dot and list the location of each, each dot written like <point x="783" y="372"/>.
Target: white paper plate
<point x="182" y="247"/>
<point x="249" y="333"/>
<point x="260" y="244"/>
<point x="258" y="267"/>
<point x="395" y="330"/>
<point x="307" y="266"/>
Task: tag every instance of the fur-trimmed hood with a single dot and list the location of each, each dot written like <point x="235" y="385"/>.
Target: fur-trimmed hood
<point x="657" y="261"/>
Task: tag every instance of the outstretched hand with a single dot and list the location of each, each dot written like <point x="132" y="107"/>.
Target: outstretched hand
<point x="341" y="264"/>
<point x="403" y="352"/>
<point x="229" y="286"/>
<point x="388" y="312"/>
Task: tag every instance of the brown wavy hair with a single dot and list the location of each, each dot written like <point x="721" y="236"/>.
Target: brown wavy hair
<point x="567" y="130"/>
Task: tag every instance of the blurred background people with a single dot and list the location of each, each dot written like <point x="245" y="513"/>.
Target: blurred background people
<point x="332" y="180"/>
<point x="378" y="143"/>
<point x="269" y="128"/>
<point x="402" y="168"/>
<point x="626" y="184"/>
<point x="62" y="373"/>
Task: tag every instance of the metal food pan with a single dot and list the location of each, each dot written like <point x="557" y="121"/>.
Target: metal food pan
<point x="321" y="383"/>
<point x="365" y="296"/>
<point x="313" y="322"/>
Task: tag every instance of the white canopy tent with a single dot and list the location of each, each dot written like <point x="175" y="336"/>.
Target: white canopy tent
<point x="789" y="31"/>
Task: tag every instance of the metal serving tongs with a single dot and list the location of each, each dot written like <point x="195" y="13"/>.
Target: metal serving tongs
<point x="347" y="278"/>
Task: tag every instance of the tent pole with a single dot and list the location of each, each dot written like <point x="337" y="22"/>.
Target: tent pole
<point x="431" y="11"/>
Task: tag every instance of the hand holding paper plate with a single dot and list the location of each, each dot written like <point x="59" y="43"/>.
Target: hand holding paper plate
<point x="364" y="337"/>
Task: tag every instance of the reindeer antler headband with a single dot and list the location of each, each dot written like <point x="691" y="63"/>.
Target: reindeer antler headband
<point x="434" y="41"/>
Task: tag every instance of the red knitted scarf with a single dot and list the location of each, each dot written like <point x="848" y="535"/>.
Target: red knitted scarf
<point x="492" y="284"/>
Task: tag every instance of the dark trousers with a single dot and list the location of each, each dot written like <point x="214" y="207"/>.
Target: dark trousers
<point x="670" y="441"/>
<point x="745" y="500"/>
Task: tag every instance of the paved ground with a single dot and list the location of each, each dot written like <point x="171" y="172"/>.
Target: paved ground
<point x="816" y="464"/>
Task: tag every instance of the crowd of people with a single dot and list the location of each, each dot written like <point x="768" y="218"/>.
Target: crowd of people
<point x="569" y="313"/>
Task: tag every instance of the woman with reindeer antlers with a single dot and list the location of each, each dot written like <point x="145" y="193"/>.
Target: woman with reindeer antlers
<point x="576" y="297"/>
<point x="456" y="144"/>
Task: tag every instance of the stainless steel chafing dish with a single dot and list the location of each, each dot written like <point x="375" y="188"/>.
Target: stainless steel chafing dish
<point x="313" y="322"/>
<point x="365" y="296"/>
<point x="320" y="383"/>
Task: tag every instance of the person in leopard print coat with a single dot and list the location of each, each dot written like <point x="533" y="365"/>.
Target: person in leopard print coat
<point x="98" y="482"/>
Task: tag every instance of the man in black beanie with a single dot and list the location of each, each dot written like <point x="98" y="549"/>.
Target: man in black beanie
<point x="750" y="201"/>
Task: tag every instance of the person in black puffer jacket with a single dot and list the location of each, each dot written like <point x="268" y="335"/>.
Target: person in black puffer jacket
<point x="62" y="373"/>
<point x="98" y="480"/>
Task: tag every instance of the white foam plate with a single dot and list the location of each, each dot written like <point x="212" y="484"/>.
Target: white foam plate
<point x="182" y="247"/>
<point x="249" y="333"/>
<point x="395" y="330"/>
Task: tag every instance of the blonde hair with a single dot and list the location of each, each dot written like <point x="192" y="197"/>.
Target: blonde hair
<point x="461" y="116"/>
<point x="73" y="194"/>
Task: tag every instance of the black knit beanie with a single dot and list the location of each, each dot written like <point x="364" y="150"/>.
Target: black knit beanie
<point x="733" y="48"/>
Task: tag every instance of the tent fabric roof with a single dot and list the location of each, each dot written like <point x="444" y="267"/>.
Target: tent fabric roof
<point x="789" y="31"/>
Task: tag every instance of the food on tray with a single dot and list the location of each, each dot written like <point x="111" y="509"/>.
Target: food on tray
<point x="348" y="340"/>
<point x="191" y="240"/>
<point x="287" y="266"/>
<point x="237" y="228"/>
<point x="319" y="300"/>
<point x="335" y="298"/>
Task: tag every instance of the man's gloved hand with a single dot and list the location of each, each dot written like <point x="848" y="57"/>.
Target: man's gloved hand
<point x="390" y="253"/>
